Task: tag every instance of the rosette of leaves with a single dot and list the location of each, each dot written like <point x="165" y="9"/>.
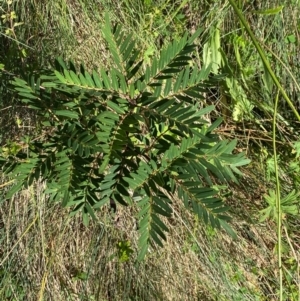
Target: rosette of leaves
<point x="135" y="134"/>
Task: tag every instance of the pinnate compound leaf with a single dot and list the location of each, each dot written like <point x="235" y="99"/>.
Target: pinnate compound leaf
<point x="137" y="134"/>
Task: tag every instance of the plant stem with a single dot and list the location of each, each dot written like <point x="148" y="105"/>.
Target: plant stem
<point x="278" y="202"/>
<point x="285" y="96"/>
<point x="264" y="58"/>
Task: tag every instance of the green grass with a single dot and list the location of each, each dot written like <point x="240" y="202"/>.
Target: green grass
<point x="44" y="255"/>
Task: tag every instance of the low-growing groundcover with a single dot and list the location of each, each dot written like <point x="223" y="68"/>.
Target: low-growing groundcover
<point x="135" y="135"/>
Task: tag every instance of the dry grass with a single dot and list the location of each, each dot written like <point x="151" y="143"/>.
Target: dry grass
<point x="44" y="254"/>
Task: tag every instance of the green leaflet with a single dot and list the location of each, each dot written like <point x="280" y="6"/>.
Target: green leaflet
<point x="270" y="11"/>
<point x="66" y="113"/>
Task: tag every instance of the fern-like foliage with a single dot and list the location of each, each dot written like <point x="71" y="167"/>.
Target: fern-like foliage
<point x="136" y="134"/>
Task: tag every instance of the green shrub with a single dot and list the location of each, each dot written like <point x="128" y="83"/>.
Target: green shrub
<point x="136" y="134"/>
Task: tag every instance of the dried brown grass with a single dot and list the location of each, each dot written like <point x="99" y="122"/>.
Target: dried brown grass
<point x="45" y="252"/>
